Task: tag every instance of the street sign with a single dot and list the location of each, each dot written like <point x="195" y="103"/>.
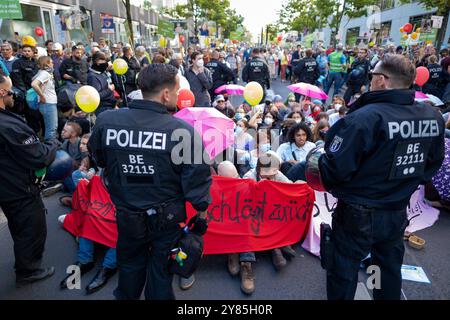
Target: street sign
<point x="166" y="28"/>
<point x="10" y="9"/>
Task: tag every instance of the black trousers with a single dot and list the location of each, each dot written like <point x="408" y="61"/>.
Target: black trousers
<point x="142" y="257"/>
<point x="356" y="233"/>
<point x="28" y="228"/>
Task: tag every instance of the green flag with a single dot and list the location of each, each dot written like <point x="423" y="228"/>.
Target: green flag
<point x="10" y="9"/>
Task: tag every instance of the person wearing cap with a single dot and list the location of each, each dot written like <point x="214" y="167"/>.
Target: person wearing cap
<point x="337" y="63"/>
<point x="221" y="105"/>
<point x="58" y="58"/>
<point x="75" y="69"/>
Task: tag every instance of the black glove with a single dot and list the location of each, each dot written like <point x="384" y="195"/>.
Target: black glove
<point x="200" y="225"/>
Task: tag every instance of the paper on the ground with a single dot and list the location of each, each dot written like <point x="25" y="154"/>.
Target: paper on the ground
<point x="413" y="273"/>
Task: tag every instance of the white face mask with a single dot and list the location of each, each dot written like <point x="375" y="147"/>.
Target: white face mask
<point x="298" y="120"/>
<point x="337" y="106"/>
<point x="268" y="121"/>
<point x="200" y="63"/>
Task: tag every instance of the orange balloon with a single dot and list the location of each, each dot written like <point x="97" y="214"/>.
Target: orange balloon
<point x="402" y="30"/>
<point x="405" y="37"/>
<point x="414" y="36"/>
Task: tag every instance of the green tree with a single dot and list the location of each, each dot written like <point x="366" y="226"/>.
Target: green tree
<point x="312" y="14"/>
<point x="443" y="9"/>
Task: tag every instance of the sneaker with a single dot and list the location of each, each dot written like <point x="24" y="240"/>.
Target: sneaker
<point x="247" y="278"/>
<point x="233" y="264"/>
<point x="52" y="190"/>
<point x="187" y="283"/>
<point x="38" y="275"/>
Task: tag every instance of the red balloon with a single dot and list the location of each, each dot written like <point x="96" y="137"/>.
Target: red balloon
<point x="182" y="39"/>
<point x="280" y="38"/>
<point x="422" y="76"/>
<point x="408" y="27"/>
<point x="186" y="99"/>
<point x="39" y="31"/>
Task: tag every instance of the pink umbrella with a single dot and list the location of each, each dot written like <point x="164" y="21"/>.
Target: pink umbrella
<point x="308" y="90"/>
<point x="216" y="129"/>
<point x="421" y="95"/>
<point x="231" y="89"/>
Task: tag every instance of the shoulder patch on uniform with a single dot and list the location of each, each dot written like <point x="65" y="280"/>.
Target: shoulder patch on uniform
<point x="29" y="140"/>
<point x="336" y="144"/>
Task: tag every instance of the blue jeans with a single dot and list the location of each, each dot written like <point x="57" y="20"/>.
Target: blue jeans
<point x="50" y="114"/>
<point x="337" y="78"/>
<point x="85" y="254"/>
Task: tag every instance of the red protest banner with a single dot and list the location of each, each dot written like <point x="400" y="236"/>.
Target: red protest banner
<point x="93" y="214"/>
<point x="246" y="215"/>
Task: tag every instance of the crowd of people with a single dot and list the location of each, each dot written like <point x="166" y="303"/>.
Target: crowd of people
<point x="272" y="139"/>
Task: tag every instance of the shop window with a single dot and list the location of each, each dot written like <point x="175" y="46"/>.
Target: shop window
<point x="31" y="19"/>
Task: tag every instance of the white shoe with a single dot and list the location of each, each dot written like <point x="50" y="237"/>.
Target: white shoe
<point x="62" y="218"/>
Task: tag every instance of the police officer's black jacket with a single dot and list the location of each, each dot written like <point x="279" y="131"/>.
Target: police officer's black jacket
<point x="135" y="147"/>
<point x="77" y="69"/>
<point x="364" y="65"/>
<point x="23" y="71"/>
<point x="21" y="154"/>
<point x="383" y="149"/>
<point x="307" y="71"/>
<point x="257" y="70"/>
<point x="221" y="74"/>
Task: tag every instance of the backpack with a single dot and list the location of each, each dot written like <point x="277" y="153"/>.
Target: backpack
<point x="32" y="99"/>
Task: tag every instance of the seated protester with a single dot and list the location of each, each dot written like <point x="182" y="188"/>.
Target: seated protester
<point x="99" y="79"/>
<point x="323" y="116"/>
<point x="239" y="262"/>
<point x="296" y="116"/>
<point x="440" y="182"/>
<point x="71" y="135"/>
<point x="263" y="145"/>
<point x="244" y="142"/>
<point x="282" y="109"/>
<point x="277" y="120"/>
<point x="268" y="168"/>
<point x="297" y="148"/>
<point x="85" y="253"/>
<point x="306" y="108"/>
<point x="337" y="103"/>
<point x="221" y="105"/>
<point x="335" y="117"/>
<point x="86" y="170"/>
<point x="320" y="132"/>
<point x="240" y="114"/>
<point x="285" y="127"/>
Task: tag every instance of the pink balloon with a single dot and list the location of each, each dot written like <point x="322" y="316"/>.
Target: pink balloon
<point x="422" y="76"/>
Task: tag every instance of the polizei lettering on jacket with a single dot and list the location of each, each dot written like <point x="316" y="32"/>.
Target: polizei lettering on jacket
<point x="414" y="129"/>
<point x="136" y="139"/>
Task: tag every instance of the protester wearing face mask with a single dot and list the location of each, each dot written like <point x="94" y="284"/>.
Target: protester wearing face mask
<point x="335" y="117"/>
<point x="100" y="80"/>
<point x="75" y="69"/>
<point x="240" y="114"/>
<point x="200" y="80"/>
<point x="338" y="102"/>
<point x="320" y="132"/>
<point x="44" y="85"/>
<point x="244" y="142"/>
<point x="296" y="116"/>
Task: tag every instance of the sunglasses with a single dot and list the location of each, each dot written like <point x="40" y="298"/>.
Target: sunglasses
<point x="371" y="74"/>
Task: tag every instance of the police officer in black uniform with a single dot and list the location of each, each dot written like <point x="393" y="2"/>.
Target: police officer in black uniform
<point x="257" y="70"/>
<point x="150" y="176"/>
<point x="358" y="75"/>
<point x="375" y="159"/>
<point x="221" y="74"/>
<point x="21" y="155"/>
<point x="23" y="71"/>
<point x="75" y="69"/>
<point x="307" y="70"/>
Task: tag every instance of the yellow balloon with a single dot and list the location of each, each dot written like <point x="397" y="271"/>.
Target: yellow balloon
<point x="371" y="43"/>
<point x="120" y="66"/>
<point x="418" y="30"/>
<point x="87" y="98"/>
<point x="253" y="93"/>
<point x="414" y="36"/>
<point x="29" y="41"/>
<point x="162" y="42"/>
<point x="405" y="36"/>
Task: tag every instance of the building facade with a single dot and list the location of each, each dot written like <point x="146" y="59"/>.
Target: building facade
<point x="81" y="21"/>
<point x="383" y="25"/>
